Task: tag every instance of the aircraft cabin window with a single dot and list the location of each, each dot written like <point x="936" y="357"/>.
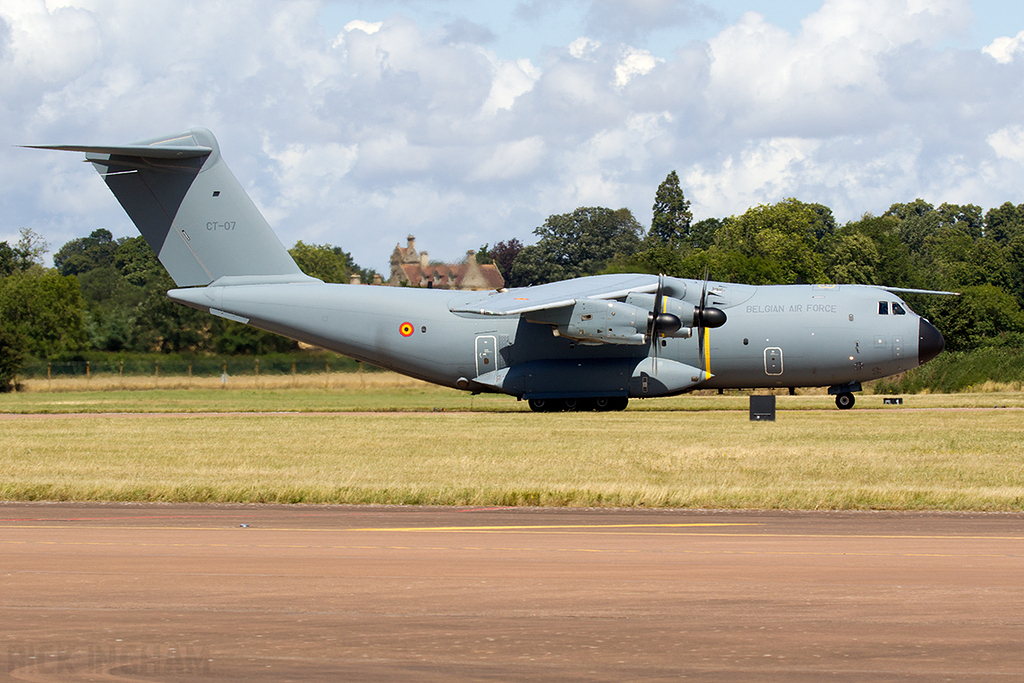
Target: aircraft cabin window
<point x="883" y="308"/>
<point x="897" y="309"/>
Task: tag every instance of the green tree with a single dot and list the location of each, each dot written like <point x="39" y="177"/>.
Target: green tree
<point x="786" y="234"/>
<point x="892" y="267"/>
<point x="136" y="262"/>
<point x="326" y="262"/>
<point x="483" y="255"/>
<point x="671" y="222"/>
<point x="917" y="220"/>
<point x="28" y="252"/>
<point x="577" y="244"/>
<point x="12" y="354"/>
<point x="965" y="218"/>
<point x="44" y="309"/>
<point x="982" y="316"/>
<point x="851" y="257"/>
<point x="1004" y="223"/>
<point x="86" y="253"/>
<point x="704" y="233"/>
<point x="8" y="260"/>
<point x="731" y="266"/>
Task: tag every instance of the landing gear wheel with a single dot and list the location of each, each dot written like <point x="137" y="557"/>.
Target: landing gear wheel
<point x="619" y="403"/>
<point x="845" y="401"/>
<point x="602" y="403"/>
<point x="541" y="405"/>
<point x="570" y="404"/>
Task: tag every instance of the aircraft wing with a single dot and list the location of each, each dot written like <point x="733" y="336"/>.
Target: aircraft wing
<point x="904" y="290"/>
<point x="556" y="294"/>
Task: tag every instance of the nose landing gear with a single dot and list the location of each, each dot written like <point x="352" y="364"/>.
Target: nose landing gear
<point x="845" y="401"/>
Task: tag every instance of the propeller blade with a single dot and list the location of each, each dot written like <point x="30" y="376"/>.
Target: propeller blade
<point x="653" y="319"/>
<point x="698" y="320"/>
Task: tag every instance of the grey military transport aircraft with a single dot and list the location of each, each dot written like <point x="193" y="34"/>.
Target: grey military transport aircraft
<point x="590" y="343"/>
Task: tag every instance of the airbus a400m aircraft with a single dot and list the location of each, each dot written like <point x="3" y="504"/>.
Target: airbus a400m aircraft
<point x="589" y="343"/>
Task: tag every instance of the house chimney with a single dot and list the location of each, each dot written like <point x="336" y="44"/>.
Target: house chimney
<point x="471" y="257"/>
<point x="354" y="279"/>
<point x="412" y="243"/>
<point x="424" y="260"/>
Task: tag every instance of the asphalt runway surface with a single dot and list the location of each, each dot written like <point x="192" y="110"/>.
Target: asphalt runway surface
<point x="121" y="592"/>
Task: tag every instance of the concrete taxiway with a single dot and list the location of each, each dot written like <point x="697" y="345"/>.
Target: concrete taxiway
<point x="272" y="593"/>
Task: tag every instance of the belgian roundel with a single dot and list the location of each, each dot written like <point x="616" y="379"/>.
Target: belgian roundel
<point x="406" y="329"/>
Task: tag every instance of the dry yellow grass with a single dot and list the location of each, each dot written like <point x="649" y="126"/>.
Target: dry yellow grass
<point x="808" y="459"/>
<point x="110" y="382"/>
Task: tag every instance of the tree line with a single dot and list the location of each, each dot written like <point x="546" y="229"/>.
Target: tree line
<point x="916" y="245"/>
<point x="108" y="295"/>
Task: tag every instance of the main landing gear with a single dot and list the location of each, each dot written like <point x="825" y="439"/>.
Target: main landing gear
<point x="559" y="405"/>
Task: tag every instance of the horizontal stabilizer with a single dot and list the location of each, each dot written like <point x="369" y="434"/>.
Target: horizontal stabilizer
<point x="144" y="151"/>
<point x="190" y="208"/>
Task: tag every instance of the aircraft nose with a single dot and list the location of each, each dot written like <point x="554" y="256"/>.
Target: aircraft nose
<point x="929" y="342"/>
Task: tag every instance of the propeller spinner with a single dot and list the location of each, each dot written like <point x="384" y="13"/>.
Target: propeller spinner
<point x="659" y="322"/>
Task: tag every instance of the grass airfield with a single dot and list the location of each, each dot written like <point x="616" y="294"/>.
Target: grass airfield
<point x="382" y="439"/>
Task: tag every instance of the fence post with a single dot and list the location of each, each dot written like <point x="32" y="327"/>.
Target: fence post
<point x="156" y="374"/>
<point x="88" y="376"/>
<point x="48" y="387"/>
<point x="224" y="376"/>
<point x="327" y="375"/>
<point x="190" y="374"/>
<point x="120" y="373"/>
<point x="257" y="373"/>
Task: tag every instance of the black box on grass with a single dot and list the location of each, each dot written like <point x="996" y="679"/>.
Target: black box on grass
<point x="762" y="408"/>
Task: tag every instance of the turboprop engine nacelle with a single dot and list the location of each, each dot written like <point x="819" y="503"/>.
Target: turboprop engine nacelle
<point x="677" y="307"/>
<point x="606" y="322"/>
<point x="597" y="321"/>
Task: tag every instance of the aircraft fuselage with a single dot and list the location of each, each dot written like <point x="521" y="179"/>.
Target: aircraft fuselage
<point x="776" y="336"/>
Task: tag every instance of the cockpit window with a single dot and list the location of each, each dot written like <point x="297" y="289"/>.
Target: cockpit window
<point x="883" y="308"/>
<point x="897" y="309"/>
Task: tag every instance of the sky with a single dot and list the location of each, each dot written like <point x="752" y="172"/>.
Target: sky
<point x="464" y="123"/>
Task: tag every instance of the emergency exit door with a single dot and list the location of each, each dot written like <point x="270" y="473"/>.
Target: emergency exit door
<point x="773" y="361"/>
<point x="485" y="354"/>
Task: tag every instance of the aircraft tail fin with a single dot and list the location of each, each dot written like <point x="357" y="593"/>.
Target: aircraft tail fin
<point x="191" y="210"/>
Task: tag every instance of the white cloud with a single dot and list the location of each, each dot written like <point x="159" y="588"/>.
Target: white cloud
<point x="511" y="160"/>
<point x="583" y="47"/>
<point x="364" y="26"/>
<point x="1008" y="143"/>
<point x="833" y="74"/>
<point x="360" y="136"/>
<point x="634" y="62"/>
<point x="511" y="80"/>
<point x="765" y="172"/>
<point x="307" y="172"/>
<point x="1005" y="49"/>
